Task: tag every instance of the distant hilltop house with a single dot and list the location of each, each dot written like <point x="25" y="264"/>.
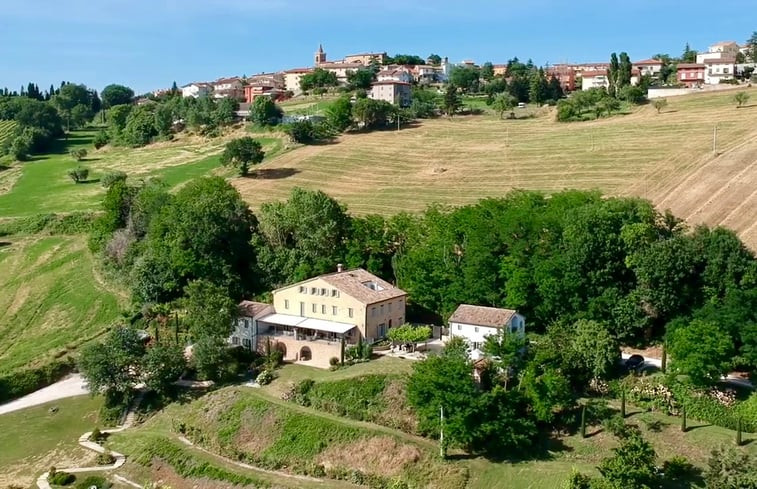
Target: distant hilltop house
<point x="265" y="84"/>
<point x="395" y="92"/>
<point x="475" y="323"/>
<point x="366" y="59"/>
<point x="311" y="321"/>
<point x="564" y="74"/>
<point x="651" y="67"/>
<point x="598" y="78"/>
<point x="196" y="90"/>
<point x="690" y="74"/>
<point x="231" y="87"/>
<point x="293" y="77"/>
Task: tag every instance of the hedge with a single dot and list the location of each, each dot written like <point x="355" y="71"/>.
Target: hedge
<point x="21" y="382"/>
<point x="74" y="223"/>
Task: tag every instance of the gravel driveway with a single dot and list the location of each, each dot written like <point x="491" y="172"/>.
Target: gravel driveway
<point x="71" y="386"/>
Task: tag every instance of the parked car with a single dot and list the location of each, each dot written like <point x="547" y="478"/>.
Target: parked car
<point x="634" y="362"/>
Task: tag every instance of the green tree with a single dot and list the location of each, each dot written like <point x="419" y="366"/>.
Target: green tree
<point x="702" y="350"/>
<point x="362" y="78"/>
<point x="117" y="117"/>
<point x="339" y="114"/>
<point x="597" y="348"/>
<point x="409" y="334"/>
<point x="212" y="359"/>
<point x="70" y="96"/>
<point x="78" y="174"/>
<point x="729" y="468"/>
<point x="241" y="153"/>
<point x="632" y="464"/>
<point x="372" y="113"/>
<point x="114" y="94"/>
<point x="226" y="109"/>
<point x="465" y="77"/>
<point x="659" y="104"/>
<point x="613" y="74"/>
<point x="487" y="71"/>
<point x="451" y="102"/>
<point x="265" y="112"/>
<point x="741" y="98"/>
<point x="301" y="237"/>
<point x="504" y="102"/>
<point x="80" y="115"/>
<point x="318" y="78"/>
<point x="210" y="311"/>
<point x="115" y="364"/>
<point x="161" y="366"/>
<point x="140" y="126"/>
<point x="689" y="55"/>
<point x="538" y="88"/>
<point x="204" y="232"/>
<point x="434" y="59"/>
<point x="163" y="120"/>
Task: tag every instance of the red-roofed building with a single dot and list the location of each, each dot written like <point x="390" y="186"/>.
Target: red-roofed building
<point x="394" y="92"/>
<point x="690" y="74"/>
<point x="565" y="75"/>
<point x="651" y="67"/>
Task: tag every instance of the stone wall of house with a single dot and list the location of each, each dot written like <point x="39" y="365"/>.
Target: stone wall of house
<point x="321" y="351"/>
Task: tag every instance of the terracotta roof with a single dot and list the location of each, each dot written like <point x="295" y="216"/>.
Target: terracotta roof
<point x="228" y="80"/>
<point x="252" y="309"/>
<point x="690" y="65"/>
<point x="593" y="73"/>
<point x="648" y="62"/>
<point x="363" y="286"/>
<point x="725" y="43"/>
<point x="366" y="54"/>
<point x="299" y="70"/>
<point x="390" y="82"/>
<point x="482" y="316"/>
<point x="340" y="65"/>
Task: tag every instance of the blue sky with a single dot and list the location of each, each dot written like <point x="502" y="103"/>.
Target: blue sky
<point x="149" y="44"/>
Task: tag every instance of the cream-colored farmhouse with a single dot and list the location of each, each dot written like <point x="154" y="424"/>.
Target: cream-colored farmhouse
<point x="310" y="321"/>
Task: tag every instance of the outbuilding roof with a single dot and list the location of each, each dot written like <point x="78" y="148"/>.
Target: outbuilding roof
<point x="493" y="317"/>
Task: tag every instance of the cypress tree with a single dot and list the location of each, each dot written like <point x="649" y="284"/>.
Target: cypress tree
<point x="583" y="421"/>
<point x="623" y="403"/>
<point x="738" y="431"/>
<point x="683" y="418"/>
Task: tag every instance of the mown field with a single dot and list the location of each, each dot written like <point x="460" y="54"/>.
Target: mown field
<point x="52" y="299"/>
<point x="461" y="160"/>
<point x="43" y="186"/>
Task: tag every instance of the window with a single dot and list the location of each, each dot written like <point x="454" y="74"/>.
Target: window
<point x="476" y="345"/>
<point x="390" y="307"/>
<point x="303" y="289"/>
<point x="313" y="290"/>
<point x="246" y="323"/>
<point x="234" y="340"/>
<point x="459" y="327"/>
<point x="323" y="308"/>
<point x="373" y="311"/>
<point x="333" y="310"/>
<point x="246" y="342"/>
<point x="349" y="312"/>
<point x="286" y="303"/>
<point x="324" y="292"/>
<point x="725" y="71"/>
<point x="315" y="307"/>
<point x="334" y="293"/>
<point x="382" y="309"/>
<point x="475" y="328"/>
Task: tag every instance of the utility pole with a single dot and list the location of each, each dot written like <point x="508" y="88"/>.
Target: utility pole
<point x="441" y="431"/>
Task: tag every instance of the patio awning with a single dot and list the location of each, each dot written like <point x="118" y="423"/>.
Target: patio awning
<point x="328" y="326"/>
<point x="308" y="323"/>
<point x="283" y="319"/>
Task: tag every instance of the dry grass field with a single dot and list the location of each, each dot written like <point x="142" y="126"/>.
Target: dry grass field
<point x="665" y="157"/>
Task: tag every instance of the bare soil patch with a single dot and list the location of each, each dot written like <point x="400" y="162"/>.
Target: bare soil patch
<point x="378" y="455"/>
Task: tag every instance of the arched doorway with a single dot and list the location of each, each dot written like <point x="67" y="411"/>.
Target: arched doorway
<point x="305" y="354"/>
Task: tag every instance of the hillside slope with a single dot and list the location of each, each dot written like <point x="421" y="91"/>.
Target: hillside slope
<point x="461" y="160"/>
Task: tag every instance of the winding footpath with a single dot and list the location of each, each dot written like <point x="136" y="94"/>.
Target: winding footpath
<point x="120" y="458"/>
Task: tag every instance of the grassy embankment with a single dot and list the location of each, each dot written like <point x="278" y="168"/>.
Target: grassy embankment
<point x="461" y="160"/>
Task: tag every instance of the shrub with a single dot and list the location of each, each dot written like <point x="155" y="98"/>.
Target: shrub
<point x="112" y="177"/>
<point x="61" y="478"/>
<point x="78" y="154"/>
<point x="677" y="467"/>
<point x="334" y="361"/>
<point x="97" y="436"/>
<point x="265" y="377"/>
<point x="22" y="382"/>
<point x="101" y="139"/>
<point x="105" y="458"/>
<point x="79" y="174"/>
<point x="93" y="481"/>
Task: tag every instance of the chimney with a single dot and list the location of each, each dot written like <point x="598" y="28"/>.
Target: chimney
<point x="339" y="267"/>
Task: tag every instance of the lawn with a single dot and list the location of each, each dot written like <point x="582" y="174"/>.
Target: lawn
<point x="461" y="160"/>
<point x="51" y="299"/>
<point x="574" y="452"/>
<point x="293" y="373"/>
<point x="35" y="438"/>
<point x="43" y="186"/>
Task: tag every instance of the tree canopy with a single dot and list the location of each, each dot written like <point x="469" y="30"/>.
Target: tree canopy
<point x="242" y="152"/>
<point x="115" y="94"/>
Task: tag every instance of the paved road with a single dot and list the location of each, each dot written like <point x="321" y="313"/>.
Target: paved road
<point x="658" y="363"/>
<point x="71" y="386"/>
